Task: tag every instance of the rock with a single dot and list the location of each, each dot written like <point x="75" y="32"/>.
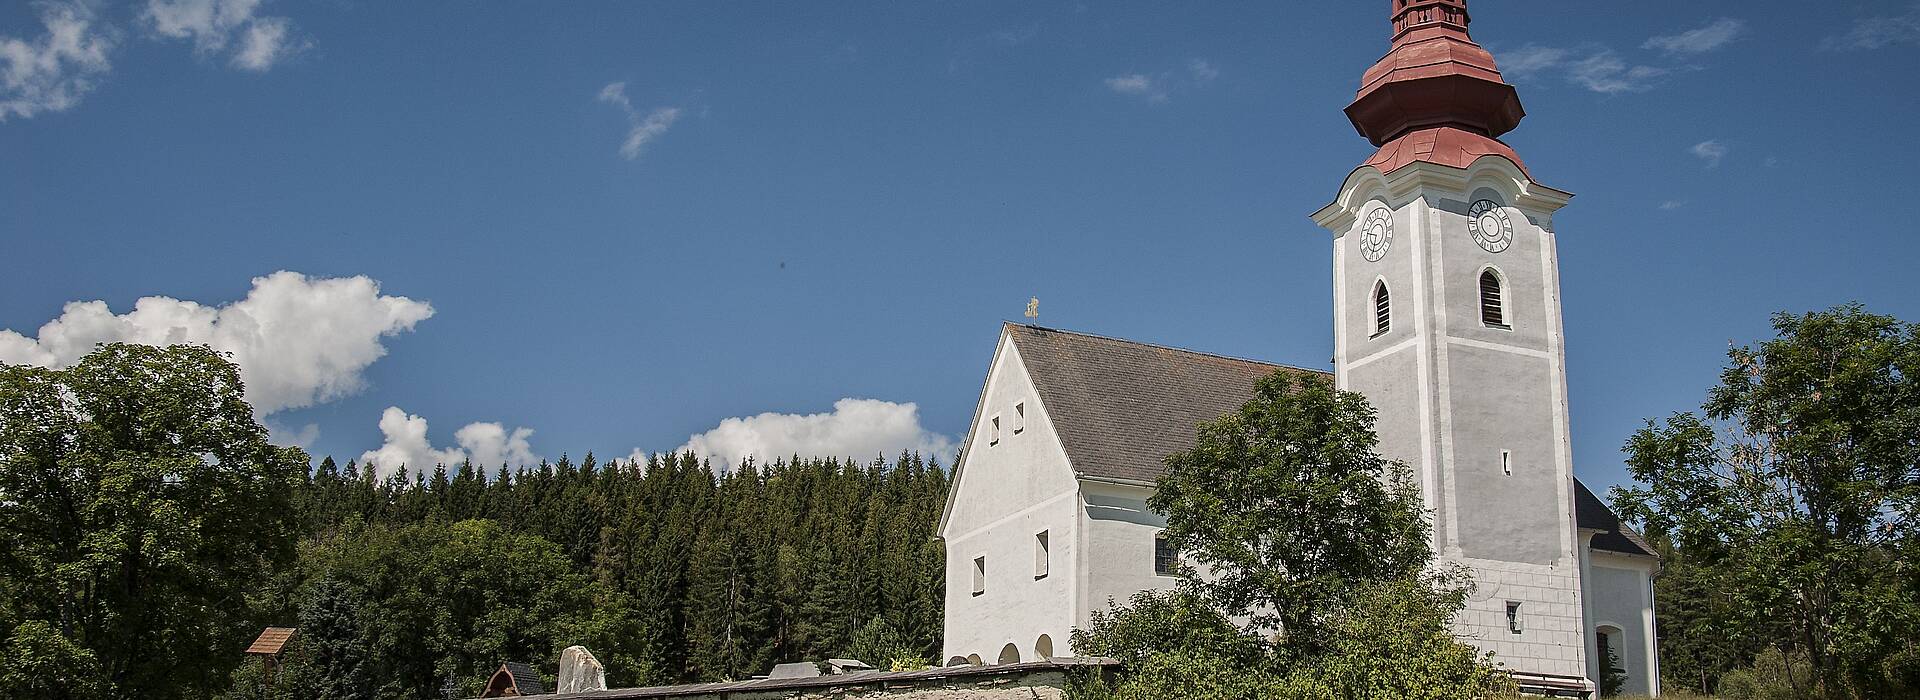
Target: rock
<point x="579" y="671"/>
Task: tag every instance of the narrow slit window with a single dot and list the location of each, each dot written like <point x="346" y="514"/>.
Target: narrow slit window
<point x="1506" y="462"/>
<point x="994" y="437"/>
<point x="1382" y="310"/>
<point x="979" y="575"/>
<point x="1041" y="555"/>
<point x="1019" y="417"/>
<point x="1515" y="623"/>
<point x="1493" y="310"/>
<point x="1165" y="559"/>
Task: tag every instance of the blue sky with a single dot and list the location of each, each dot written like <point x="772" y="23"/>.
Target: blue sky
<point x="783" y="205"/>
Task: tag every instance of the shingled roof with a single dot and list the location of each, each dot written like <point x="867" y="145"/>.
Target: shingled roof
<point x="1120" y="407"/>
<point x="1593" y="514"/>
<point x="271" y="641"/>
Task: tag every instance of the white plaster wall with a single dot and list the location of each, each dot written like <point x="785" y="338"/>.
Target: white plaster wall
<point x="1621" y="596"/>
<point x="1472" y="391"/>
<point x="1004" y="495"/>
<point x="1120" y="540"/>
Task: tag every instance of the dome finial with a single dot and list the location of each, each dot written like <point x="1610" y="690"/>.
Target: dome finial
<point x="1434" y="77"/>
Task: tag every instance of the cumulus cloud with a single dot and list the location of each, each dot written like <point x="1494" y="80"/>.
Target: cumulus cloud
<point x="1879" y="32"/>
<point x="52" y="72"/>
<point x="1712" y="152"/>
<point x="856" y="428"/>
<point x="406" y="445"/>
<point x="298" y="340"/>
<point x="1712" y="37"/>
<point x="645" y="129"/>
<point x="213" y="25"/>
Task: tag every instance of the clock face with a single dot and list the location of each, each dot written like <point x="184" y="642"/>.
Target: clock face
<point x="1490" y="226"/>
<point x="1376" y="235"/>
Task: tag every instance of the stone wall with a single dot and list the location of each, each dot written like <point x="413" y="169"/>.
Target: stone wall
<point x="1033" y="680"/>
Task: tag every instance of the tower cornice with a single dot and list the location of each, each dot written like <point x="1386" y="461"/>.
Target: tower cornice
<point x="1419" y="178"/>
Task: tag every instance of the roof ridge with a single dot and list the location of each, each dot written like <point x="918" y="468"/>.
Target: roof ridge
<point x="1175" y="348"/>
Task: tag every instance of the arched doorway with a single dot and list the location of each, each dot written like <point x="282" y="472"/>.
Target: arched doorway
<point x="1043" y="648"/>
<point x="974" y="660"/>
<point x="957" y="661"/>
<point x="1609" y="656"/>
<point x="1009" y="654"/>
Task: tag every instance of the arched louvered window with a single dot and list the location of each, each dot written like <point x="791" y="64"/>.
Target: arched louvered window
<point x="1382" y="309"/>
<point x="1493" y="309"/>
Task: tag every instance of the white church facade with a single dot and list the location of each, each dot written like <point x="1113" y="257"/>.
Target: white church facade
<point x="1447" y="318"/>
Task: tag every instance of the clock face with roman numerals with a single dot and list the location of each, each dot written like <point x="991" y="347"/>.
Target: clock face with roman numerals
<point x="1490" y="226"/>
<point x="1376" y="235"/>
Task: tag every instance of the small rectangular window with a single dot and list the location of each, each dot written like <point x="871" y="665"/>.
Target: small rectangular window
<point x="994" y="437"/>
<point x="1041" y="556"/>
<point x="1515" y="624"/>
<point x="1165" y="558"/>
<point x="979" y="575"/>
<point x="1506" y="462"/>
<point x="1019" y="418"/>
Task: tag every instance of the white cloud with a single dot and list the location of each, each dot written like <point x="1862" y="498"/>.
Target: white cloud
<point x="857" y="428"/>
<point x="406" y="445"/>
<point x="645" y="128"/>
<point x="263" y="44"/>
<point x="1606" y="73"/>
<point x="298" y="340"/>
<point x="214" y="24"/>
<point x="1531" y="60"/>
<point x="1879" y="32"/>
<point x="1710" y="151"/>
<point x="51" y="73"/>
<point x="491" y="445"/>
<point x="1139" y="84"/>
<point x="1671" y="205"/>
<point x="1596" y="68"/>
<point x="1712" y="37"/>
<point x="1203" y="72"/>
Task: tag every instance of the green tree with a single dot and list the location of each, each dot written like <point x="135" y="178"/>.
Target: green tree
<point x="460" y="598"/>
<point x="1798" y="484"/>
<point x="1288" y="507"/>
<point x="337" y="667"/>
<point x="1392" y="642"/>
<point x="139" y="502"/>
<point x="39" y="662"/>
<point x="1313" y="540"/>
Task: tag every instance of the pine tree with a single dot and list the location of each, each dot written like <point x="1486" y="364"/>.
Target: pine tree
<point x="335" y="644"/>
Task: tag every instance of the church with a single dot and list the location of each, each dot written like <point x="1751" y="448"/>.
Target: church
<point x="1446" y="298"/>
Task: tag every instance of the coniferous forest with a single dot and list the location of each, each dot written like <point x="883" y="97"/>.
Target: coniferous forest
<point x="149" y="530"/>
<point x="667" y="571"/>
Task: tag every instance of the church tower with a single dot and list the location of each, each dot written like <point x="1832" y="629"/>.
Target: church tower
<point x="1447" y="317"/>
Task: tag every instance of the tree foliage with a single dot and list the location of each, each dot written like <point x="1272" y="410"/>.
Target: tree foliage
<point x="1793" y="494"/>
<point x="1288" y="508"/>
<point x="1317" y="569"/>
<point x="668" y="571"/>
<point x="139" y="502"/>
<point x="148" y="531"/>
